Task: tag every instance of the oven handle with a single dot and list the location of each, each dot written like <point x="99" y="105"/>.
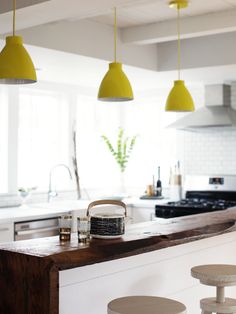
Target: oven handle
<point x="32" y="231"/>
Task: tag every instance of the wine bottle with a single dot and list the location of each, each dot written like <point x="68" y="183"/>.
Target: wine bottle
<point x="159" y="185"/>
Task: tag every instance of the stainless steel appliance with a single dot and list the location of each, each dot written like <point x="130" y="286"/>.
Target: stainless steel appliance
<point x="203" y="194"/>
<point x="36" y="229"/>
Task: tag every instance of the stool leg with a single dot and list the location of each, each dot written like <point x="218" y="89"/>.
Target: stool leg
<point x="220" y="294"/>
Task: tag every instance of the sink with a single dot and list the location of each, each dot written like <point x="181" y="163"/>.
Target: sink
<point x="64" y="205"/>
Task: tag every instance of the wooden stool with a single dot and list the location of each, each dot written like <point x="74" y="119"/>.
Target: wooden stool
<point x="145" y="305"/>
<point x="220" y="276"/>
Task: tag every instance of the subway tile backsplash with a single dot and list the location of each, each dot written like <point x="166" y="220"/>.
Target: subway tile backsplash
<point x="210" y="152"/>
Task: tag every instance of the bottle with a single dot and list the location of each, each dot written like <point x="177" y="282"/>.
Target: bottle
<point x="159" y="185"/>
<point x="176" y="184"/>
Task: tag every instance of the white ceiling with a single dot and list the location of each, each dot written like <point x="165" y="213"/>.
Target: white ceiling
<point x="158" y="10"/>
<point x="83" y="71"/>
<point x="130" y="12"/>
<point x="38" y="12"/>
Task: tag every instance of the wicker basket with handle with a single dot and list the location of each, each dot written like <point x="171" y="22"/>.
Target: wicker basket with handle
<point x="107" y="226"/>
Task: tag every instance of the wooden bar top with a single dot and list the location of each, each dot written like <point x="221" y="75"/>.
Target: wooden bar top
<point x="138" y="239"/>
<point x="32" y="266"/>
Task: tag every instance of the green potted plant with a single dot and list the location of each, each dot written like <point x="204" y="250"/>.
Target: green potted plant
<point x="121" y="150"/>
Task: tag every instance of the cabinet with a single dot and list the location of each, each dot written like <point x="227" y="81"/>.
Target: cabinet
<point x="142" y="214"/>
<point x="6" y="232"/>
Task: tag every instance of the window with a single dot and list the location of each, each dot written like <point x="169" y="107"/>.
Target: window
<point x="97" y="168"/>
<point x="36" y="134"/>
<point x="155" y="145"/>
<point x="43" y="138"/>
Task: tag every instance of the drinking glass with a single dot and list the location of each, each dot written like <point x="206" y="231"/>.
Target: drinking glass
<point x="65" y="223"/>
<point x="83" y="227"/>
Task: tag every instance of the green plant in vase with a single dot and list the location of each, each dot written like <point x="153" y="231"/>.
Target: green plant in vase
<point x="121" y="150"/>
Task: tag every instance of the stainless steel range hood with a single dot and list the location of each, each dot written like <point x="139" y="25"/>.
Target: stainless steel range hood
<point x="217" y="113"/>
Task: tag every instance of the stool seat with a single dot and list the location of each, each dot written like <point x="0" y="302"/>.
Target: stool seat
<point x="210" y="305"/>
<point x="145" y="304"/>
<point x="215" y="275"/>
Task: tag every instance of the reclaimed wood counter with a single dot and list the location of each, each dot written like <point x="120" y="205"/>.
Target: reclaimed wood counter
<point x="29" y="270"/>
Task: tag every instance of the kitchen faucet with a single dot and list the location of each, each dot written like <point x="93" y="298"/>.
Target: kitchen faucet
<point x="54" y="193"/>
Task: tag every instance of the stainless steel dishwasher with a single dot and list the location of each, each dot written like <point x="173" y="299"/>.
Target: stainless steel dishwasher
<point x="39" y="228"/>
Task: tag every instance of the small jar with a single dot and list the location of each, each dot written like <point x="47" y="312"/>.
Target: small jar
<point x="150" y="190"/>
<point x="65" y="223"/>
<point x="83" y="228"/>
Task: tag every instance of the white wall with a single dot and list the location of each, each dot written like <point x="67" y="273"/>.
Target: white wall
<point x="210" y="151"/>
<point x="91" y="39"/>
<point x="199" y="52"/>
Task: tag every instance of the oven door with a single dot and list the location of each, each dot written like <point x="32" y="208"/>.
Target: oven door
<point x="36" y="229"/>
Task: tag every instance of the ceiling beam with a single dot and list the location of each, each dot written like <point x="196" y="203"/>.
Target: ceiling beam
<point x="7" y="5"/>
<point x="32" y="13"/>
<point x="194" y="26"/>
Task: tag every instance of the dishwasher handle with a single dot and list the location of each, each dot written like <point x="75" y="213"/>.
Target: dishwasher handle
<point x="32" y="231"/>
<point x="4" y="229"/>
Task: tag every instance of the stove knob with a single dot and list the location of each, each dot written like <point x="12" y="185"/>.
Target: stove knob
<point x="166" y="213"/>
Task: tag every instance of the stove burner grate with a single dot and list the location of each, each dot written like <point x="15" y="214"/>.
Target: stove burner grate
<point x="192" y="206"/>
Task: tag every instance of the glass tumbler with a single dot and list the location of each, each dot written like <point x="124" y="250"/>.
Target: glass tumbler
<point x="83" y="227"/>
<point x="65" y="223"/>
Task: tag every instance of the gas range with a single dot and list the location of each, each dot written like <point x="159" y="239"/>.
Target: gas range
<point x="203" y="194"/>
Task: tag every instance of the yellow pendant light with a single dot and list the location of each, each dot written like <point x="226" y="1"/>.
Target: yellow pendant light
<point x="16" y="66"/>
<point x="115" y="85"/>
<point x="179" y="98"/>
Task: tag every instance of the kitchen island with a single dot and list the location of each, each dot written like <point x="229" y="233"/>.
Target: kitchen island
<point x="154" y="258"/>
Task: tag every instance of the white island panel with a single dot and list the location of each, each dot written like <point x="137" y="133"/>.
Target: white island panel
<point x="164" y="272"/>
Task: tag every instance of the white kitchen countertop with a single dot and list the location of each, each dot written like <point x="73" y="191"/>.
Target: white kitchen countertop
<point x="137" y="202"/>
<point x="46" y="210"/>
<point x="15" y="214"/>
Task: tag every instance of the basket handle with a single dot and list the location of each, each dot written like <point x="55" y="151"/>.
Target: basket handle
<point x="107" y="202"/>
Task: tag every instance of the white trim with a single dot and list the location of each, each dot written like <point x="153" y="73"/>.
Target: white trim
<point x="13" y="123"/>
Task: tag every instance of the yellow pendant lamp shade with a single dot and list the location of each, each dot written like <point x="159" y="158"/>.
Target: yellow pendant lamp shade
<point x="115" y="85"/>
<point x="16" y="66"/>
<point x="179" y="99"/>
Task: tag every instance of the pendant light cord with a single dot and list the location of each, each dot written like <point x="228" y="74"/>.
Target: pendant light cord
<point x="14" y="17"/>
<point x="115" y="34"/>
<point x="179" y="46"/>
